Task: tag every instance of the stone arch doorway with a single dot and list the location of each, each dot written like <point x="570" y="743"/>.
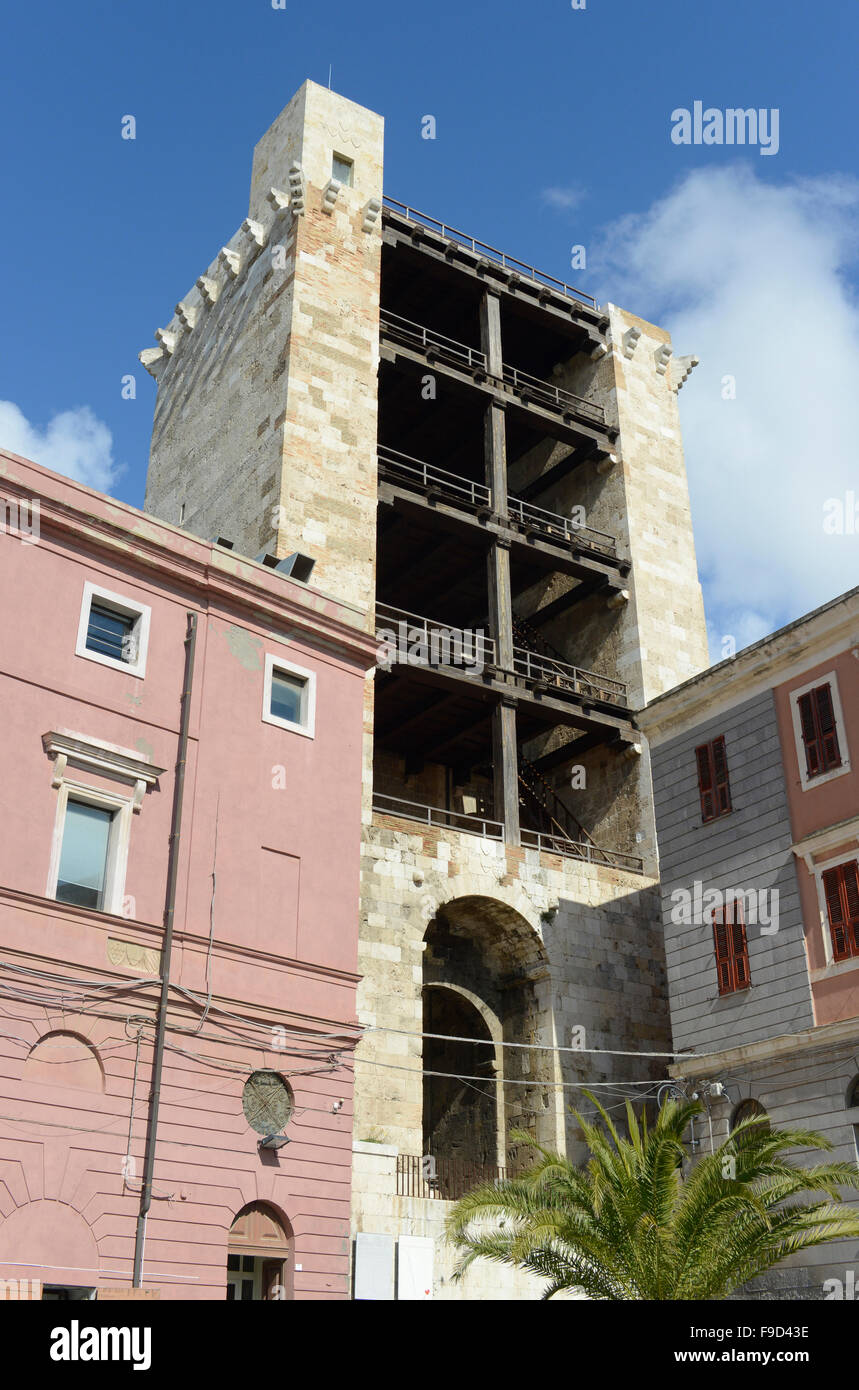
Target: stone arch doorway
<point x="486" y="977"/>
<point x="460" y="1117"/>
<point x="259" y="1255"/>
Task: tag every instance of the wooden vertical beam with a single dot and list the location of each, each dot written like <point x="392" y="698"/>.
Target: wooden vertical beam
<point x="504" y="756"/>
<point x="505" y="768"/>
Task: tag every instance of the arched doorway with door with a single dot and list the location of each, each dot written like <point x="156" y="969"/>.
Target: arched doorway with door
<point x="259" y="1255"/>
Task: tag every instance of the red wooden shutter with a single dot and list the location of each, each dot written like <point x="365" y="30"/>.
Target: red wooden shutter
<point x="831" y="754"/>
<point x="732" y="950"/>
<point x="841" y="891"/>
<point x="819" y="732"/>
<point x="720" y="775"/>
<point x="723" y="954"/>
<point x="713" y="784"/>
<point x="705" y="782"/>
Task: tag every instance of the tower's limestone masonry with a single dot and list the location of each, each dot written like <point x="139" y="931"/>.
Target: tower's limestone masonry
<point x="265" y="424"/>
<point x="266" y="434"/>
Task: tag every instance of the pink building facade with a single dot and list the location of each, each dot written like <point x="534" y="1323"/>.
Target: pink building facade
<point x="133" y="654"/>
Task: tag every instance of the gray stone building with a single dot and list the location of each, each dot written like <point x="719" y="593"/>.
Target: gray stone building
<point x="487" y="465"/>
<point x="756" y="793"/>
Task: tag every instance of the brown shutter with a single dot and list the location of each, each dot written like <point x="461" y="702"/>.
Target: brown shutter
<point x="832" y="880"/>
<point x="828" y="734"/>
<point x="705" y="782"/>
<point x="723" y="953"/>
<point x="732" y="950"/>
<point x="808" y="725"/>
<point x="720" y="774"/>
<point x="740" y="947"/>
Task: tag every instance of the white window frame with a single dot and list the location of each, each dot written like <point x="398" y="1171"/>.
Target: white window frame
<point x="125" y="607"/>
<point x="307" y="726"/>
<point x="830" y="679"/>
<point x="117" y="845"/>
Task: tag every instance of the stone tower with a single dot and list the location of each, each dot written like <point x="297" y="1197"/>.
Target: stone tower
<point x="481" y="459"/>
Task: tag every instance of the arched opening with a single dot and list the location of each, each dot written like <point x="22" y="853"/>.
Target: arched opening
<point x="64" y="1059"/>
<point x="486" y="980"/>
<point x="460" y="1120"/>
<point x="259" y="1255"/>
<point x="750" y="1109"/>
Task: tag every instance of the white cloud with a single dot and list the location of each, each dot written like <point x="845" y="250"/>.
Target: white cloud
<point x="563" y="198"/>
<point x="751" y="277"/>
<point x="74" y="442"/>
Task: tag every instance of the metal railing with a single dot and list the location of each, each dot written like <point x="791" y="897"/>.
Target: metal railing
<point x="426" y="478"/>
<point x="482" y="248"/>
<point x="541" y="670"/>
<point x="463" y="649"/>
<point x="444" y="1179"/>
<point x="554" y="397"/>
<point x="527" y="517"/>
<point x="435" y="815"/>
<point x="435" y="346"/>
<point x="587" y="852"/>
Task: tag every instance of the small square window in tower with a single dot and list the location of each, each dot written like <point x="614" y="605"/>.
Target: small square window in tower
<point x="342" y="169"/>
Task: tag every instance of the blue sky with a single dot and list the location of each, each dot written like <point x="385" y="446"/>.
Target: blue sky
<point x="553" y="129"/>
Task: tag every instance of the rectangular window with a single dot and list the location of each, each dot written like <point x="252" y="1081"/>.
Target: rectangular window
<point x="342" y="170"/>
<point x="841" y="891"/>
<point x="289" y="696"/>
<point x="819" y="731"/>
<point x="714" y="787"/>
<point x="111" y="633"/>
<point x="113" y="630"/>
<point x="83" y="858"/>
<point x="732" y="949"/>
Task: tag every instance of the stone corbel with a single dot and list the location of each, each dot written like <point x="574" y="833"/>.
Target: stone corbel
<point x="662" y="356"/>
<point x="167" y="339"/>
<point x="209" y="289"/>
<point x="296" y="189"/>
<point x="630" y="341"/>
<point x="606" y="463"/>
<point x="277" y="200"/>
<point x="255" y="231"/>
<point x="231" y="261"/>
<point x="330" y="194"/>
<point x="187" y="315"/>
<point x="685" y="365"/>
<point x="153" y="360"/>
<point x="371" y="214"/>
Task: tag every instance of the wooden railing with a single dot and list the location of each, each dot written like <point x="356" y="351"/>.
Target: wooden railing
<point x="526" y="517"/>
<point x="435" y="346"/>
<point x="554" y="397"/>
<point x="482" y="248"/>
<point x="469" y="651"/>
<point x="432" y="481"/>
<point x="560" y="677"/>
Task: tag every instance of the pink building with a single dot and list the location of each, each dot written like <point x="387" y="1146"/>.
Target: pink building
<point x="131" y="651"/>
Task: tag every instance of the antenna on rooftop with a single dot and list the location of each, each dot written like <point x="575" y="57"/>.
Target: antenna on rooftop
<point x="329" y="77"/>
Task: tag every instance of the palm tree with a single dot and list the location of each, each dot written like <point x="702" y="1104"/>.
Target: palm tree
<point x="631" y="1225"/>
